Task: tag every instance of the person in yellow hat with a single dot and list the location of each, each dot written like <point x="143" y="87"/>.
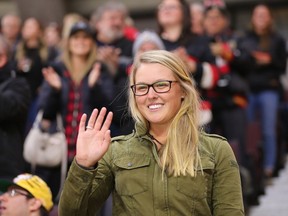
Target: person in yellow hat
<point x="26" y="195"/>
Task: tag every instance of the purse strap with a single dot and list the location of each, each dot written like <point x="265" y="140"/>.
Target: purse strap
<point x="64" y="162"/>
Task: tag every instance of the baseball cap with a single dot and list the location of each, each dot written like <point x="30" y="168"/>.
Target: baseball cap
<point x="34" y="185"/>
<point x="81" y="26"/>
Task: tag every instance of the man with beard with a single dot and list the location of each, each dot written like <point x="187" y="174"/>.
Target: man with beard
<point x="115" y="51"/>
<point x="109" y="21"/>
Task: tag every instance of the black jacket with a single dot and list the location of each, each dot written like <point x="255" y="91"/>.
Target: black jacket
<point x="264" y="77"/>
<point x="14" y="101"/>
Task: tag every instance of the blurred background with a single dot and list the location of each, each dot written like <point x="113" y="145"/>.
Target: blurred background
<point x="142" y="12"/>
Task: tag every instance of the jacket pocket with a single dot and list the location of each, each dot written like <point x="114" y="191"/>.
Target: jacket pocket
<point x="198" y="187"/>
<point x="131" y="176"/>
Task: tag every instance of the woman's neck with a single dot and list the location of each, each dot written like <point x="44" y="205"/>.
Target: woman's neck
<point x="159" y="135"/>
<point x="78" y="63"/>
<point x="32" y="43"/>
<point x="172" y="33"/>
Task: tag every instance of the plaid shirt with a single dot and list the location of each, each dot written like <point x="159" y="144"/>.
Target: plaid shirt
<point x="72" y="118"/>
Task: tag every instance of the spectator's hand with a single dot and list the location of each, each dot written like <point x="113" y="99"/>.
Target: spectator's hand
<point x="94" y="140"/>
<point x="94" y="74"/>
<point x="110" y="56"/>
<point x="262" y="58"/>
<point x="24" y="65"/>
<point x="52" y="78"/>
<point x="217" y="49"/>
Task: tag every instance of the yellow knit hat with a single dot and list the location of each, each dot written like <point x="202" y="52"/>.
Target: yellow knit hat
<point x="35" y="186"/>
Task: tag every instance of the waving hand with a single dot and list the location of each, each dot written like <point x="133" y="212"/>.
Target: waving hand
<point x="93" y="141"/>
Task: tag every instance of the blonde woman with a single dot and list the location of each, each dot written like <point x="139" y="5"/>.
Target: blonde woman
<point x="167" y="166"/>
<point x="74" y="85"/>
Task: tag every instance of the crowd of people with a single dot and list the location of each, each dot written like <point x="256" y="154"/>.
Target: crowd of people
<point x="80" y="65"/>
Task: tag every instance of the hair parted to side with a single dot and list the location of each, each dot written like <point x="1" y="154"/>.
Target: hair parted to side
<point x="66" y="57"/>
<point x="180" y="154"/>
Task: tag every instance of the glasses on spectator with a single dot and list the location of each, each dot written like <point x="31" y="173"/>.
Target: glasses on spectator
<point x="162" y="86"/>
<point x="15" y="192"/>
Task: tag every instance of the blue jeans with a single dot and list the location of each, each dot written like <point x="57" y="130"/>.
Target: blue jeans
<point x="266" y="104"/>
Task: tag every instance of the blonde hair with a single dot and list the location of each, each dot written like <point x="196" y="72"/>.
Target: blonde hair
<point x="180" y="154"/>
<point x="77" y="76"/>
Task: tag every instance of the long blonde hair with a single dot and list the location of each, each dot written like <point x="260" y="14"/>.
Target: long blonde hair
<point x="77" y="76"/>
<point x="180" y="154"/>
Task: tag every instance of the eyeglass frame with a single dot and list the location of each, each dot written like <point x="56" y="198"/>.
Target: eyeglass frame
<point x="152" y="85"/>
<point x="14" y="192"/>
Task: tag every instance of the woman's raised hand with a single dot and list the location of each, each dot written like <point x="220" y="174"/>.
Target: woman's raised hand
<point x="93" y="141"/>
<point x="52" y="77"/>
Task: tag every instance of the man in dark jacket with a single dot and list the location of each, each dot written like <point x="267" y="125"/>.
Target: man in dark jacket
<point x="14" y="102"/>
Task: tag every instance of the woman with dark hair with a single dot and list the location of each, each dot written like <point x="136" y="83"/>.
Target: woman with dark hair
<point x="31" y="55"/>
<point x="267" y="61"/>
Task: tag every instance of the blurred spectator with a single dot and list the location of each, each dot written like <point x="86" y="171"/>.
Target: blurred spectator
<point x="114" y="49"/>
<point x="31" y="56"/>
<point x="197" y="17"/>
<point x="68" y="21"/>
<point x="145" y="41"/>
<point x="109" y="21"/>
<point x="73" y="85"/>
<point x="52" y="36"/>
<point x="267" y="62"/>
<point x="174" y="22"/>
<point x="14" y="103"/>
<point x="229" y="96"/>
<point x="10" y="29"/>
<point x="26" y="195"/>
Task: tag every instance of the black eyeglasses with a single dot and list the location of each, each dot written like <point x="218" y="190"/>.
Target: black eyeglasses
<point x="162" y="86"/>
<point x="14" y="192"/>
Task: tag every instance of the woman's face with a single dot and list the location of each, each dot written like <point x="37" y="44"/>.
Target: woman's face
<point x="261" y="18"/>
<point x="80" y="43"/>
<point x="170" y="13"/>
<point x="31" y="29"/>
<point x="158" y="108"/>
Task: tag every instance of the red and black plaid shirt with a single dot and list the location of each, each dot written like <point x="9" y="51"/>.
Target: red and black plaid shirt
<point x="74" y="112"/>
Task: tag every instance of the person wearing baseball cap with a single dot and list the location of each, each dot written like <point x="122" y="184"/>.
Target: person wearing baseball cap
<point x="26" y="195"/>
<point x="81" y="26"/>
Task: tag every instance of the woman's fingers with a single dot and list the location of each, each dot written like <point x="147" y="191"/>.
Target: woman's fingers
<point x="82" y="123"/>
<point x="100" y="118"/>
<point x="96" y="120"/>
<point x="107" y="122"/>
<point x="92" y="119"/>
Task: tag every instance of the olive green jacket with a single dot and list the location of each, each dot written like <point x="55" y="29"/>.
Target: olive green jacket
<point x="131" y="172"/>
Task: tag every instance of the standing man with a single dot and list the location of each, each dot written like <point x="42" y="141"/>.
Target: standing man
<point x="14" y="102"/>
<point x="115" y="51"/>
<point x="10" y="29"/>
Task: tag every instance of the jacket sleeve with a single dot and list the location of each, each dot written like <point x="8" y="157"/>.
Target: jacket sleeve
<point x="227" y="194"/>
<point x="85" y="191"/>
